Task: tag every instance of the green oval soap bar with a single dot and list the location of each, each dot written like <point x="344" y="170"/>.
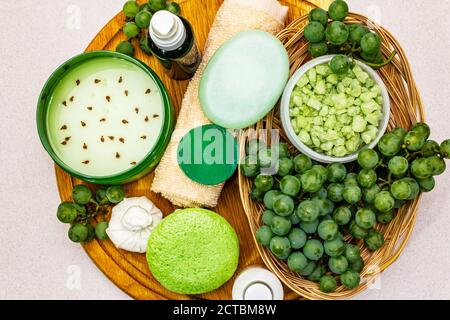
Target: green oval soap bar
<point x="244" y="79"/>
<point x="193" y="251"/>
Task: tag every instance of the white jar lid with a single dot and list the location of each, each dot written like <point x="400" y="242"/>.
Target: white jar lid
<point x="256" y="283"/>
<point x="167" y="30"/>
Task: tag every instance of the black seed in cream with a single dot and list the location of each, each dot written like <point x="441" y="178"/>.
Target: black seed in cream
<point x="64" y="127"/>
<point x="77" y="82"/>
<point x="148" y="91"/>
<point x="85" y="162"/>
<point x="83" y="124"/>
<point x="97" y="80"/>
<point x="108" y="98"/>
<point x="117" y="155"/>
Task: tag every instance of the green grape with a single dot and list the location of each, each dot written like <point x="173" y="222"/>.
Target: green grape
<point x="335" y="247"/>
<point x="322" y="193"/>
<point x="142" y="19"/>
<point x="357" y="266"/>
<point x="67" y="213"/>
<point x="313" y="249"/>
<point x="294" y="218"/>
<point x="100" y="196"/>
<point x="156" y="5"/>
<point x="283" y="205"/>
<point x="368" y="158"/>
<point x="144" y="7"/>
<point x="352" y="253"/>
<point x="371" y="43"/>
<point x="319" y="15"/>
<point x="334" y="192"/>
<point x="389" y="145"/>
<point x="327" y="284"/>
<point x="365" y="218"/>
<point x="351" y="194"/>
<point x="81" y="194"/>
<point x="426" y="184"/>
<point x="91" y="233"/>
<point x="444" y="148"/>
<point x="280" y="247"/>
<point x="130" y="29"/>
<point x="342" y="215"/>
<point x="311" y="181"/>
<point x="297" y="261"/>
<point x="338" y="10"/>
<point x="285" y="167"/>
<point x="338" y="264"/>
<point x="384" y="201"/>
<point x="437" y="164"/>
<point x="325" y="206"/>
<point x="297" y="238"/>
<point x="318" y="49"/>
<point x="314" y="32"/>
<point x="173" y="7"/>
<point x="336" y="172"/>
<point x="115" y="194"/>
<point x="302" y="163"/>
<point x="369" y="194"/>
<point x="264" y="182"/>
<point x="399" y="132"/>
<point x="422" y="128"/>
<point x="351" y="179"/>
<point x="350" y="279"/>
<point x="308" y="211"/>
<point x="385" y="217"/>
<point x="125" y="47"/>
<point x="374" y="240"/>
<point x="263" y="235"/>
<point x="422" y="168"/>
<point x="328" y="230"/>
<point x="269" y="198"/>
<point x="290" y="186"/>
<point x="265" y="157"/>
<point x="78" y="232"/>
<point x="250" y="166"/>
<point x="398" y="166"/>
<point x="401" y="190"/>
<point x="356" y="231"/>
<point x="322" y="171"/>
<point x="357" y="31"/>
<point x="414" y="187"/>
<point x="256" y="195"/>
<point x="253" y="147"/>
<point x="367" y="178"/>
<point x="376" y="57"/>
<point x="317" y="274"/>
<point x="414" y="140"/>
<point x="282" y="150"/>
<point x="336" y="33"/>
<point x="100" y="230"/>
<point x="309" y="227"/>
<point x="340" y="64"/>
<point x="267" y="217"/>
<point x="130" y="9"/>
<point x="430" y="148"/>
<point x="309" y="269"/>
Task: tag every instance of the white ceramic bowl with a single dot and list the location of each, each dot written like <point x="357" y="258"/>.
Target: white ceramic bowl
<point x="286" y="121"/>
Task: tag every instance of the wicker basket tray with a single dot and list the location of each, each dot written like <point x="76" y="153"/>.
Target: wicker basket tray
<point x="406" y="109"/>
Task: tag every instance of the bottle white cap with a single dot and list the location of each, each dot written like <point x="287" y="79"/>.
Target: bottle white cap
<point x="167" y="30"/>
<point x="256" y="283"/>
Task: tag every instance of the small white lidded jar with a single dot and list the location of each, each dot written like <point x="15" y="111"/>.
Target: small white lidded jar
<point x="257" y="283"/>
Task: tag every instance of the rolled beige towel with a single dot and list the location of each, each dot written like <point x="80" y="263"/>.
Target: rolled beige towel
<point x="233" y="17"/>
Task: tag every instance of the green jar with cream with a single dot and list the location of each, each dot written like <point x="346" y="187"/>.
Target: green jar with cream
<point x="105" y="117"/>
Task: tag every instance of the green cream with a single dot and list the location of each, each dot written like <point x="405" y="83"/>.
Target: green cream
<point x="104" y="116"/>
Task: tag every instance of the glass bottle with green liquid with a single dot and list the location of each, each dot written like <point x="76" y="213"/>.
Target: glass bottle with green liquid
<point x="172" y="41"/>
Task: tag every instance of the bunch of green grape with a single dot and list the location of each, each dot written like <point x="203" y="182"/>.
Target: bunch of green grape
<point x="138" y="20"/>
<point x="310" y="208"/>
<point x="337" y="37"/>
<point x="83" y="211"/>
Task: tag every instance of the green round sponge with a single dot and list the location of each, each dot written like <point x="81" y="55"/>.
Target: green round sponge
<point x="193" y="251"/>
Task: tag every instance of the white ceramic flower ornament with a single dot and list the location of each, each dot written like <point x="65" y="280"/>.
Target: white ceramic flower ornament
<point x="132" y="221"/>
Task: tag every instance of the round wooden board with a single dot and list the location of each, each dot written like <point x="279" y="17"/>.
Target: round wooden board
<point x="129" y="271"/>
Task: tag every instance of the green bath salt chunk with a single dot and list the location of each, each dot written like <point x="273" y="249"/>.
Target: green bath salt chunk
<point x="244" y="79"/>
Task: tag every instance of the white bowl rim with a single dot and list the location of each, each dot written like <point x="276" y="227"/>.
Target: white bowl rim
<point x="286" y="121"/>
